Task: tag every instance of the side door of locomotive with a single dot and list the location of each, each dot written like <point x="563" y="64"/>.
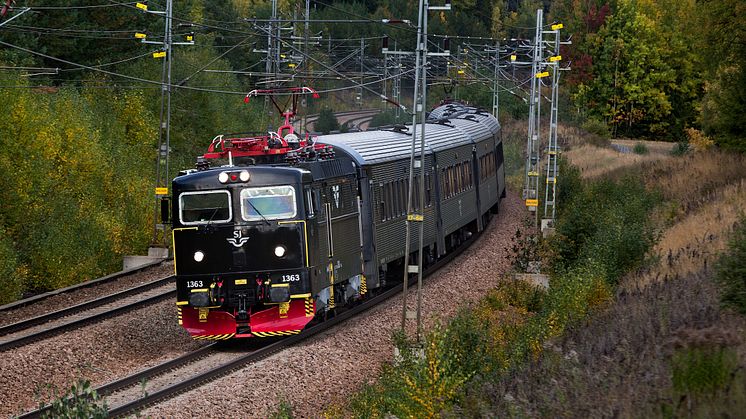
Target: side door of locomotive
<point x="341" y="216"/>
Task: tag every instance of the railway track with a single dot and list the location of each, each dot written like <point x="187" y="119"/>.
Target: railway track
<point x="87" y="284"/>
<point x="49" y="324"/>
<point x="180" y="384"/>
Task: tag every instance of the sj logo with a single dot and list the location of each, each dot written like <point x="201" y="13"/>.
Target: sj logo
<point x="237" y="240"/>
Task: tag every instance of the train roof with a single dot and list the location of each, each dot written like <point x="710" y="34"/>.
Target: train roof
<point x="450" y="125"/>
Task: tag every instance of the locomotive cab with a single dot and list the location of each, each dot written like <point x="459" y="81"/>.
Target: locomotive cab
<point x="241" y="251"/>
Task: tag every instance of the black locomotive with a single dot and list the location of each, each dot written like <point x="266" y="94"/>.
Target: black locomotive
<point x="291" y="228"/>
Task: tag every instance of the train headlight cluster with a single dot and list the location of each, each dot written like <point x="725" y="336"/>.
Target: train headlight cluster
<point x="280" y="251"/>
<point x="199" y="256"/>
<point x="242" y="176"/>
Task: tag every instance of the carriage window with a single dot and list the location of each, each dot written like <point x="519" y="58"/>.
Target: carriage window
<point x="272" y="203"/>
<point x="205" y="207"/>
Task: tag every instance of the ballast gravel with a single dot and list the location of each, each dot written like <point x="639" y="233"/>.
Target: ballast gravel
<point x="101" y="352"/>
<point x="328" y="368"/>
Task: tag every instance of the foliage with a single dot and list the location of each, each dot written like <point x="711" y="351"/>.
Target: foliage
<point x="698" y="140"/>
<point x="327" y="121"/>
<point x="607" y="222"/>
<point x="80" y="402"/>
<point x="640" y="148"/>
<point x="724" y="102"/>
<point x="284" y="410"/>
<point x="702" y="370"/>
<point x="77" y="181"/>
<point x="680" y="148"/>
<point x="731" y="270"/>
<point x="597" y="127"/>
<point x="388" y="117"/>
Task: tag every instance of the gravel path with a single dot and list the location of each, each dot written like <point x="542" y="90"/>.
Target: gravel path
<point x="328" y="367"/>
<point x="64" y="300"/>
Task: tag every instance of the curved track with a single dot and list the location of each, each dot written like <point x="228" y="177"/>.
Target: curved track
<point x="182" y="384"/>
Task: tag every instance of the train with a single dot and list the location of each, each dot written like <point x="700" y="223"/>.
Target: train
<point x="271" y="232"/>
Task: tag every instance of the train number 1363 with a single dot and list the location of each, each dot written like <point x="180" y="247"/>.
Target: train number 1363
<point x="194" y="284"/>
<point x="291" y="278"/>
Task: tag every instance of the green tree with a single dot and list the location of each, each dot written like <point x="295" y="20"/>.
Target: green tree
<point x="724" y="50"/>
<point x="644" y="80"/>
<point x="327" y="121"/>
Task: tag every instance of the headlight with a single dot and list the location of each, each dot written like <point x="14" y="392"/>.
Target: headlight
<point x="223" y="177"/>
<point x="279" y="251"/>
<point x="244" y="175"/>
<point x="198" y="256"/>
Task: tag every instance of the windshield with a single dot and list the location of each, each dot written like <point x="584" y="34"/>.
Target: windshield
<point x="205" y="207"/>
<point x="270" y="202"/>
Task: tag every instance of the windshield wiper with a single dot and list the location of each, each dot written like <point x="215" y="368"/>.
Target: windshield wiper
<point x="248" y="200"/>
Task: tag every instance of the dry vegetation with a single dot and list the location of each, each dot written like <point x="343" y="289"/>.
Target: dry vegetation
<point x="665" y="347"/>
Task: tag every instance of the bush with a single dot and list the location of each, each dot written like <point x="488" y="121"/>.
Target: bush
<point x="731" y="270"/>
<point x="606" y="222"/>
<point x="327" y="121"/>
<point x="680" y="148"/>
<point x="640" y="148"/>
<point x="81" y="401"/>
<point x="702" y="370"/>
<point x="594" y="126"/>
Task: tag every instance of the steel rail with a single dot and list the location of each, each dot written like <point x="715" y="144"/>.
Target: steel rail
<point x="87" y="305"/>
<point x="86" y="284"/>
<point x="43" y="334"/>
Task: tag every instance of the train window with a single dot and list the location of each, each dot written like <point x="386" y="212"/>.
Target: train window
<point x="268" y="203"/>
<point x="500" y="156"/>
<point x="310" y="203"/>
<point x="205" y="207"/>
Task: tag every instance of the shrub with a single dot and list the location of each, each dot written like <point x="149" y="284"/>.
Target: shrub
<point x="702" y="370"/>
<point x="327" y="121"/>
<point x="606" y="222"/>
<point x="640" y="148"/>
<point x="597" y="127"/>
<point x="81" y="401"/>
<point x="680" y="148"/>
<point x="731" y="270"/>
<point x="698" y="139"/>
<point x="284" y="410"/>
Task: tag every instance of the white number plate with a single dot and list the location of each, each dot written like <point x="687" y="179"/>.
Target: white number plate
<point x="291" y="278"/>
<point x="194" y="284"/>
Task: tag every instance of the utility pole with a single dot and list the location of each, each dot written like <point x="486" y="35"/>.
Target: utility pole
<point x="420" y="104"/>
<point x="553" y="150"/>
<point x="495" y="82"/>
<point x="164" y="128"/>
<point x="530" y="191"/>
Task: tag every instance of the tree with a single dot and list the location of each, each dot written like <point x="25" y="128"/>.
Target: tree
<point x="327" y="121"/>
